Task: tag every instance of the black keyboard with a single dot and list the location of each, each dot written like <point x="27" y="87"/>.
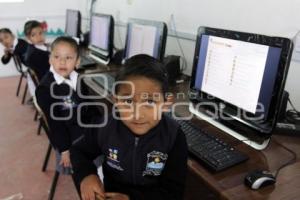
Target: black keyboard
<point x="86" y="61"/>
<point x="214" y="153"/>
<point x="109" y="79"/>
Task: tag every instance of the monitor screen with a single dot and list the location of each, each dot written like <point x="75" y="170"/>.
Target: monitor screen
<point x="146" y="37"/>
<point x="101" y="35"/>
<point x="73" y="23"/>
<point x="240" y="76"/>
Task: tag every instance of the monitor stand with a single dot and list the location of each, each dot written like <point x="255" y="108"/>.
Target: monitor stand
<point x="254" y="144"/>
<point x="99" y="60"/>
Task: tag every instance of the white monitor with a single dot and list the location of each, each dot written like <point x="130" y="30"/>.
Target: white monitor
<point x="73" y="23"/>
<point x="146" y="37"/>
<point x="101" y="36"/>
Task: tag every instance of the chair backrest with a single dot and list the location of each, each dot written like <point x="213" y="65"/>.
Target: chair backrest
<point x="42" y="116"/>
<point x="18" y="64"/>
<point x="33" y="76"/>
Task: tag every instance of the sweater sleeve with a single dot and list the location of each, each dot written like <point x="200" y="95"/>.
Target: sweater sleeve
<point x="83" y="152"/>
<point x="6" y="58"/>
<point x="172" y="182"/>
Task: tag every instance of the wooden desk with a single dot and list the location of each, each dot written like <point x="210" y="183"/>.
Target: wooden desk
<point x="229" y="184"/>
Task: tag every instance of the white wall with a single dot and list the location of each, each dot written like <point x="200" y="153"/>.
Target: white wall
<point x="14" y="15"/>
<point x="271" y="17"/>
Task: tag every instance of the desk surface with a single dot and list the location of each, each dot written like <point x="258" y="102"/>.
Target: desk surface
<point x="229" y="184"/>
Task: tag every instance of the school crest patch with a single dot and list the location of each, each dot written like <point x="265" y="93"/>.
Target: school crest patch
<point x="112" y="159"/>
<point x="155" y="163"/>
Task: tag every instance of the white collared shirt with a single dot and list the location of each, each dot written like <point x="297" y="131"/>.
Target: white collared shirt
<point x="41" y="47"/>
<point x="59" y="79"/>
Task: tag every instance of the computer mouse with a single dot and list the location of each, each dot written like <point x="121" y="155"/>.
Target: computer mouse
<point x="259" y="178"/>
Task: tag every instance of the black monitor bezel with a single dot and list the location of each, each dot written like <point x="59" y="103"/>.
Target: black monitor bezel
<point x="162" y="26"/>
<point x="111" y="35"/>
<point x="78" y="31"/>
<point x="266" y="126"/>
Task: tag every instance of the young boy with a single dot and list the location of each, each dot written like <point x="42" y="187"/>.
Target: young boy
<point x="145" y="151"/>
<point x="37" y="55"/>
<point x="12" y="46"/>
<point x="58" y="98"/>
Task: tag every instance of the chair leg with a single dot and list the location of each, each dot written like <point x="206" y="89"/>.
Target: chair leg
<point x="77" y="185"/>
<point x="19" y="84"/>
<point x="35" y="115"/>
<point x="39" y="129"/>
<point x="53" y="185"/>
<point x="24" y="94"/>
<point x="47" y="158"/>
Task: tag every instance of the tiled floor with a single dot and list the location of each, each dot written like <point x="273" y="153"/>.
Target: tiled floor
<point x="22" y="151"/>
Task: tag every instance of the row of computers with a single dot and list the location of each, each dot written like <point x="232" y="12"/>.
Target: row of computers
<point x="143" y="36"/>
<point x="237" y="80"/>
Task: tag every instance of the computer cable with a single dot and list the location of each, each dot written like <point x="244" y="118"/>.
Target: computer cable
<point x="184" y="62"/>
<point x="119" y="35"/>
<point x="292" y="115"/>
<point x="291" y="161"/>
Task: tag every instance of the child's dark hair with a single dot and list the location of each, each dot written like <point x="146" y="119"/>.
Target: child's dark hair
<point x="29" y="25"/>
<point x="68" y="40"/>
<point x="5" y="30"/>
<point x="146" y="66"/>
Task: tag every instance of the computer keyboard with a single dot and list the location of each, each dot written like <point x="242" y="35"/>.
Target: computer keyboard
<point x="86" y="61"/>
<point x="214" y="153"/>
<point x="106" y="81"/>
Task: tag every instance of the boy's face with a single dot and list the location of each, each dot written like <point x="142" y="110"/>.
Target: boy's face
<point x="37" y="36"/>
<point x="64" y="59"/>
<point x="140" y="108"/>
<point x="7" y="40"/>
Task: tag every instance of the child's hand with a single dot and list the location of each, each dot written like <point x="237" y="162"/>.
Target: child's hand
<point x="116" y="196"/>
<point x="7" y="51"/>
<point x="65" y="159"/>
<point x="91" y="188"/>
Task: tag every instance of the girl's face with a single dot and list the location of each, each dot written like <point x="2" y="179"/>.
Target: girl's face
<point x="64" y="59"/>
<point x="140" y="104"/>
<point x="37" y="36"/>
<point x="7" y="40"/>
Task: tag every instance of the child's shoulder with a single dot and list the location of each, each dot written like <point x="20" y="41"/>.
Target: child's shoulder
<point x="44" y="86"/>
<point x="47" y="80"/>
<point x="169" y="123"/>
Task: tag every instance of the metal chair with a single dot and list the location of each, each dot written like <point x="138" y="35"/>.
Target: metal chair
<point x="36" y="82"/>
<point x="19" y="68"/>
<point x="44" y="124"/>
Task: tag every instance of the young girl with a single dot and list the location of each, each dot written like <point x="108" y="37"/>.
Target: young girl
<point x="57" y="96"/>
<point x="12" y="46"/>
<point x="145" y="151"/>
<point x="37" y="54"/>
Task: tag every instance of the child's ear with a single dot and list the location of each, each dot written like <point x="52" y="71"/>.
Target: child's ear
<point x="114" y="99"/>
<point x="169" y="101"/>
<point x="28" y="40"/>
<point x="77" y="62"/>
<point x="50" y="60"/>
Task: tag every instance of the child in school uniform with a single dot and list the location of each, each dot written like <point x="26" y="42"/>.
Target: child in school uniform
<point x="37" y="54"/>
<point x="12" y="46"/>
<point x="57" y="95"/>
<point x="145" y="151"/>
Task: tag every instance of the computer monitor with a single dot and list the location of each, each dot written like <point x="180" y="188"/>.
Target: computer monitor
<point x="73" y="23"/>
<point x="238" y="80"/>
<point x="101" y="37"/>
<point x="146" y="37"/>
